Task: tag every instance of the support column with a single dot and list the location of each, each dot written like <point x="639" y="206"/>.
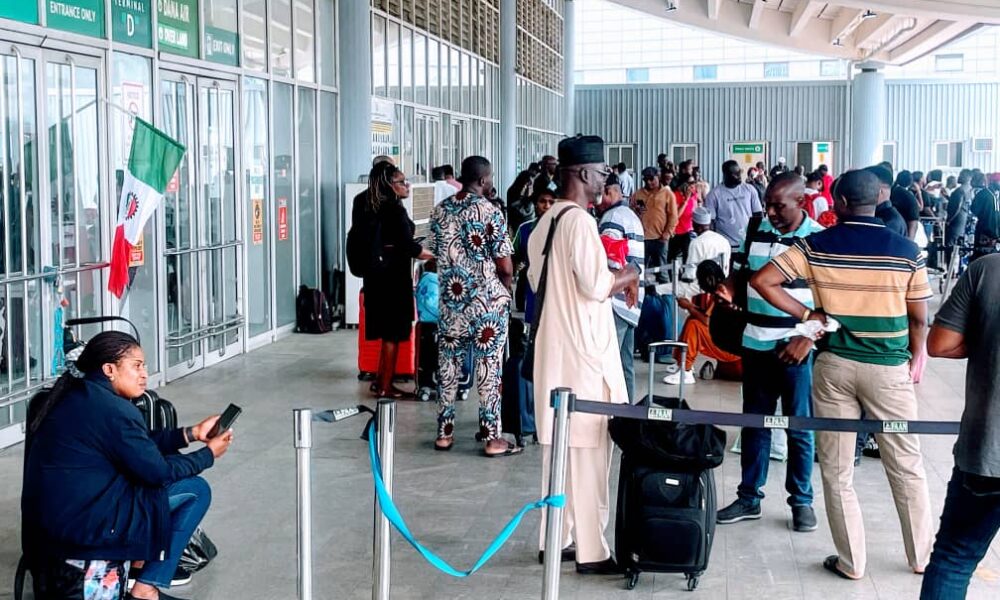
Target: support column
<point x="354" y="55"/>
<point x="867" y="116"/>
<point x="508" y="92"/>
<point x="569" y="67"/>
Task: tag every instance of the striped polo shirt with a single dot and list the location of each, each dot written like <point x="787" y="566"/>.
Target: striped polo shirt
<point x="862" y="275"/>
<point x="766" y="325"/>
<point x="621" y="223"/>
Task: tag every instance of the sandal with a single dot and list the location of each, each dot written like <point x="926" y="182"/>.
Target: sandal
<point x="511" y="450"/>
<point x="448" y="440"/>
<point x="830" y="564"/>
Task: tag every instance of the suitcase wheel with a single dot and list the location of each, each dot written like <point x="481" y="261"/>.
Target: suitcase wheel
<point x="463" y="395"/>
<point x="692" y="582"/>
<point x="519" y="440"/>
<point x="425" y="395"/>
<point x="631" y="579"/>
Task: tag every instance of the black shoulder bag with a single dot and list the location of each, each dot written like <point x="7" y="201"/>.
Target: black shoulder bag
<point x="528" y="364"/>
<point x="727" y="322"/>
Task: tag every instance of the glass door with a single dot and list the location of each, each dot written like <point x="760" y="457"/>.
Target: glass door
<point x="203" y="247"/>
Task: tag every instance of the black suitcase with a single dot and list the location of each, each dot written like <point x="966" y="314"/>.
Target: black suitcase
<point x="665" y="518"/>
<point x="517" y="402"/>
<point x="158" y="413"/>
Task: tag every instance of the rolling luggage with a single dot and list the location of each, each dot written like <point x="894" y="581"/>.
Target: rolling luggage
<point x="369" y="351"/>
<point x="158" y="413"/>
<point x="427" y="365"/>
<point x="665" y="518"/>
<point x="517" y="403"/>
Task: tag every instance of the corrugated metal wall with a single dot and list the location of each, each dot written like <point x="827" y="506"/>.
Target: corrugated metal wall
<point x="919" y="114"/>
<point x="713" y="116"/>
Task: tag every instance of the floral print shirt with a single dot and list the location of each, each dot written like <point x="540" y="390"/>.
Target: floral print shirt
<point x="468" y="235"/>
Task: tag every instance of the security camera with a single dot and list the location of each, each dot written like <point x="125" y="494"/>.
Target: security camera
<point x="671" y="5"/>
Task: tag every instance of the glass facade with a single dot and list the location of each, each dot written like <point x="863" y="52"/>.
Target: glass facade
<point x="249" y="87"/>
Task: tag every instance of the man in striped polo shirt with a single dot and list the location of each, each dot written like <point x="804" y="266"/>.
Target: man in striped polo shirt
<point x="777" y="362"/>
<point x="619" y="222"/>
<point x="874" y="283"/>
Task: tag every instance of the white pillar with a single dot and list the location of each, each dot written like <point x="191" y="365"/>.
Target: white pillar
<point x="569" y="66"/>
<point x="508" y="92"/>
<point x="354" y="54"/>
<point x="867" y="116"/>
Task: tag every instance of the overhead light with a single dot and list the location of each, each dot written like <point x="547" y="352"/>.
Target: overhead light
<point x="671" y="5"/>
<point x="838" y="43"/>
<point x="868" y="15"/>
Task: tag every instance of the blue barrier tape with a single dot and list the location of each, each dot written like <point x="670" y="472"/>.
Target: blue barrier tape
<point x="390" y="511"/>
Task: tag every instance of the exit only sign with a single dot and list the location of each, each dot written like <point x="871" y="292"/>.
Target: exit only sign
<point x="748" y="148"/>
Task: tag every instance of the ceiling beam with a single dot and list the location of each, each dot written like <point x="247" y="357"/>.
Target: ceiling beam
<point x="873" y="30"/>
<point x="844" y="24"/>
<point x="982" y="11"/>
<point x="934" y="36"/>
<point x="713" y="9"/>
<point x="759" y="6"/>
<point x="807" y="9"/>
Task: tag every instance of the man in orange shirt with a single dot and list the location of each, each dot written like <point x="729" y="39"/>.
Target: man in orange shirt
<point x="657" y="208"/>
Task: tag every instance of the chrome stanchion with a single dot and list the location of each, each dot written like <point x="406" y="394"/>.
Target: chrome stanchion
<point x="381" y="574"/>
<point x="675" y="276"/>
<point x="562" y="401"/>
<point x="302" y="419"/>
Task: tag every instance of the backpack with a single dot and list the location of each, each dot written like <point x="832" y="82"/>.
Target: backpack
<point x="364" y="246"/>
<point x="312" y="313"/>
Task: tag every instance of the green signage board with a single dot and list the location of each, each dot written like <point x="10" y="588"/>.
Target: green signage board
<point x="222" y="46"/>
<point x="85" y="17"/>
<point x="19" y="10"/>
<point x="177" y="26"/>
<point x="748" y="148"/>
<point x="823" y="147"/>
<point x="132" y="23"/>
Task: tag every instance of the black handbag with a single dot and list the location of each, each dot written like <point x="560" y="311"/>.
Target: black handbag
<point x="528" y="364"/>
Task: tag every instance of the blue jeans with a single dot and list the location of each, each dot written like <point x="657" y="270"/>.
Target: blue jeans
<point x="765" y="379"/>
<point x="189" y="500"/>
<point x="656" y="256"/>
<point x="626" y="344"/>
<point x="969" y="523"/>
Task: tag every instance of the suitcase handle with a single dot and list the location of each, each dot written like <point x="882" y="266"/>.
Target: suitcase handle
<point x="104" y="319"/>
<point x="652" y="365"/>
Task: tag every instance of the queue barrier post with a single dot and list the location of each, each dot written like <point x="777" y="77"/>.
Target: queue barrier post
<point x="302" y="423"/>
<point x="561" y="401"/>
<point x="381" y="565"/>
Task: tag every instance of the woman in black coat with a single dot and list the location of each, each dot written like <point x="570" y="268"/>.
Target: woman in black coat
<point x="99" y="490"/>
<point x="388" y="288"/>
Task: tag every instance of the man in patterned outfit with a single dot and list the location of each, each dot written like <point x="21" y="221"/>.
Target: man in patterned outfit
<point x="474" y="273"/>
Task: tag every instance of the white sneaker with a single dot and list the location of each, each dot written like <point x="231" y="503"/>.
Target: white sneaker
<point x="675" y="378"/>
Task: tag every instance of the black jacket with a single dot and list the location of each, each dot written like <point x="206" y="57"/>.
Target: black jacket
<point x="95" y="480"/>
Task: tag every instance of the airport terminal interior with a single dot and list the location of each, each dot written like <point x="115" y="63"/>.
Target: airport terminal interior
<point x="282" y="105"/>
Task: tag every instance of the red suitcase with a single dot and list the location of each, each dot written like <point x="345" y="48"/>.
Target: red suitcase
<point x="369" y="351"/>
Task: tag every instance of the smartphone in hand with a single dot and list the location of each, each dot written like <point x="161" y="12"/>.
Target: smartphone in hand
<point x="227" y="420"/>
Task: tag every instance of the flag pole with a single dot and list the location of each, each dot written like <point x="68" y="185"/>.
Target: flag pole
<point x="121" y="108"/>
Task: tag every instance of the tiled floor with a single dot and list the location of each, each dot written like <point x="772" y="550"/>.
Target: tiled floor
<point x="456" y="502"/>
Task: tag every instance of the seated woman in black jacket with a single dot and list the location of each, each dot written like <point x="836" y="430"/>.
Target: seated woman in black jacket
<point x="99" y="487"/>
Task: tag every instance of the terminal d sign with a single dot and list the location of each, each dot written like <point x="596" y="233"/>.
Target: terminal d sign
<point x="177" y="26"/>
<point x="131" y="22"/>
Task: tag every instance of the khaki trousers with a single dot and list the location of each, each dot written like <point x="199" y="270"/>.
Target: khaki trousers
<point x="841" y="388"/>
<point x="587" y="507"/>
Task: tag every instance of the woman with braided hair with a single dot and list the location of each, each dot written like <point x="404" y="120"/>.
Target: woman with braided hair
<point x="100" y="491"/>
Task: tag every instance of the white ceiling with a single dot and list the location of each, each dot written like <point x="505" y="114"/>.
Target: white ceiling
<point x="887" y="31"/>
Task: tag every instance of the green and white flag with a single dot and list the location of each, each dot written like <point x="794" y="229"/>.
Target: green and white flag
<point x="153" y="160"/>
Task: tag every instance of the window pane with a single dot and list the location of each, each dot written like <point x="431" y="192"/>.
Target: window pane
<point x="456" y="89"/>
<point x="333" y="212"/>
<point x="406" y="47"/>
<point x="254" y="35"/>
<point x="776" y="70"/>
<point x="392" y="59"/>
<point x="284" y="205"/>
<point x="281" y="37"/>
<point x="308" y="233"/>
<point x="221" y="39"/>
<point x="466" y="90"/>
<point x="327" y="42"/>
<point x="255" y="164"/>
<point x="378" y="55"/>
<point x="420" y="68"/>
<point x="433" y="73"/>
<point x="305" y="41"/>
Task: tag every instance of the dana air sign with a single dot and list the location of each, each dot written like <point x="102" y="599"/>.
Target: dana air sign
<point x="177" y="26"/>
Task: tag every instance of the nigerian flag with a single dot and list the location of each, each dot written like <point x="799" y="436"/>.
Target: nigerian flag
<point x="152" y="161"/>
